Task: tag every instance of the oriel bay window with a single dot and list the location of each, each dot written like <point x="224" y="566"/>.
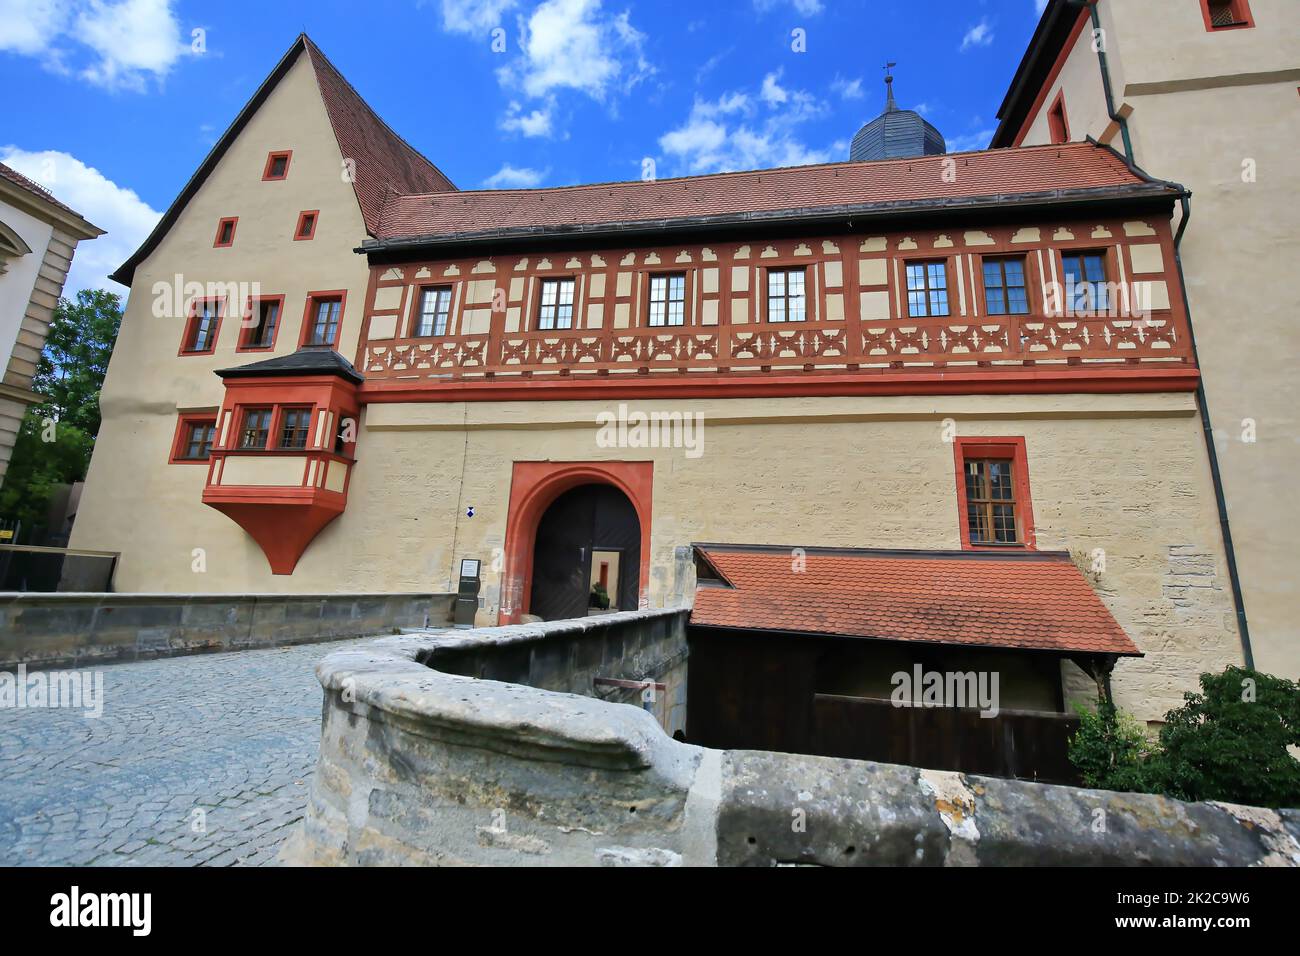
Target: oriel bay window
<point x="1085" y="282"/>
<point x="927" y="289"/>
<point x="993" y="490"/>
<point x="1004" y="287"/>
<point x="668" y="299"/>
<point x="434" y="310"/>
<point x="254" y="428"/>
<point x="786" y="296"/>
<point x="321" y="323"/>
<point x="295" y="423"/>
<point x="555" y="307"/>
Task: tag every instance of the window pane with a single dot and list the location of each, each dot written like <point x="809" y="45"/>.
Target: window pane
<point x="776" y="283"/>
<point x="939" y="303"/>
<point x="1015" y="271"/>
<point x="915" y="277"/>
<point x="658" y="288"/>
<point x="776" y="310"/>
<point x="916" y="303"/>
<point x="677" y="287"/>
<point x="995" y="301"/>
<point x="1019" y="301"/>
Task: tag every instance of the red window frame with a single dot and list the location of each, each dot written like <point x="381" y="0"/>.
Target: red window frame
<point x="1240" y="12"/>
<point x="276" y="438"/>
<point x="271" y="157"/>
<point x="191" y="326"/>
<point x="180" y="440"/>
<point x="309" y="319"/>
<point x="1013" y="449"/>
<point x="298" y="235"/>
<point x="250" y="322"/>
<point x="233" y="222"/>
<point x="1058" y="122"/>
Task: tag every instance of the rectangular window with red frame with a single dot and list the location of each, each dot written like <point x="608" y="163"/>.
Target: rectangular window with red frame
<point x="295" y="423"/>
<point x="225" y="233"/>
<point x="277" y="166"/>
<point x="261" y="324"/>
<point x="194" y="437"/>
<point x="324" y="315"/>
<point x="1226" y="14"/>
<point x="306" y="228"/>
<point x="200" y="336"/>
<point x="255" y="428"/>
<point x="994" y="506"/>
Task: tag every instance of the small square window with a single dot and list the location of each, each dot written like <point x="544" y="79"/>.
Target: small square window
<point x="277" y="166"/>
<point x="306" y="228"/>
<point x="255" y="428"/>
<point x="225" y="233"/>
<point x="1226" y="14"/>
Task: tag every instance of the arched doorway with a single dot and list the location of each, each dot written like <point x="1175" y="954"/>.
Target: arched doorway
<point x="588" y="536"/>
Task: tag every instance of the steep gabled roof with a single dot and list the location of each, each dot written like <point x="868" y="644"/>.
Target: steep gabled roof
<point x="1034" y="600"/>
<point x="1003" y="177"/>
<point x="384" y="161"/>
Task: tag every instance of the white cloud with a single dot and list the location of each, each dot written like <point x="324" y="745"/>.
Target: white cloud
<point x="571" y="44"/>
<point x="967" y="142"/>
<point x="515" y="177"/>
<point x="1040" y="6"/>
<point x="114" y="45"/>
<point x="536" y="123"/>
<point x="808" y="8"/>
<point x="740" y="131"/>
<point x="125" y="216"/>
<point x="848" y="89"/>
<point x="474" y="16"/>
<point x="979" y="35"/>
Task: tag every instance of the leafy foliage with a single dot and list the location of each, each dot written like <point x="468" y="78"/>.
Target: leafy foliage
<point x="1228" y="742"/>
<point x="57" y="435"/>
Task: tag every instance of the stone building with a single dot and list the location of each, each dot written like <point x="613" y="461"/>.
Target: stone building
<point x="978" y="358"/>
<point x="1204" y="92"/>
<point x="38" y="237"/>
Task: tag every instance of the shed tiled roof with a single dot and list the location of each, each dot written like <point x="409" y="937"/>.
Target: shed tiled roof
<point x="1028" y="600"/>
<point x="1009" y="174"/>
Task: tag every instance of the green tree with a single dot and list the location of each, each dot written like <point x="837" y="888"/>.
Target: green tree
<point x="57" y="435"/>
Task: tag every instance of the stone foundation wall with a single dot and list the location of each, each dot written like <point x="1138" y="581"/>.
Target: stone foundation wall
<point x="47" y="630"/>
<point x="422" y="766"/>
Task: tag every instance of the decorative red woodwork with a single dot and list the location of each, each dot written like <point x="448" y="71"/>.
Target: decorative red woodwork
<point x="727" y="338"/>
<point x="283" y="506"/>
<point x="534" y="485"/>
<point x="1009" y="448"/>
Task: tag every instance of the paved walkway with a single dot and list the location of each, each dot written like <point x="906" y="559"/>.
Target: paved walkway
<point x="196" y="760"/>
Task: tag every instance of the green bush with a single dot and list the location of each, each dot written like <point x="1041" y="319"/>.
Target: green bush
<point x="1228" y="742"/>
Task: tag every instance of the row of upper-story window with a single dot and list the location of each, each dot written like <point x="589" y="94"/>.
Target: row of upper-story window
<point x="260" y="323"/>
<point x="304" y="230"/>
<point x="269" y="427"/>
<point x="928" y="287"/>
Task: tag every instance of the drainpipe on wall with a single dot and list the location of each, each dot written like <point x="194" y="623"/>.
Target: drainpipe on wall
<point x="1208" y="429"/>
<point x="1105" y="75"/>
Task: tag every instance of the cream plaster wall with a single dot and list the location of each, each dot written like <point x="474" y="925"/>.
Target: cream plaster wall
<point x="1219" y="112"/>
<point x="1124" y="474"/>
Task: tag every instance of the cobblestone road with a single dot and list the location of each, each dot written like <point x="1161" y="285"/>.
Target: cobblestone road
<point x="196" y="761"/>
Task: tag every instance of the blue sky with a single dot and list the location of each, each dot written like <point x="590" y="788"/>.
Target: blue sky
<point x="110" y="105"/>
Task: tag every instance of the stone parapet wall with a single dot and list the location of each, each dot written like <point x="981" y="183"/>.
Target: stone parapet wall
<point x="46" y="630"/>
<point x="422" y="766"/>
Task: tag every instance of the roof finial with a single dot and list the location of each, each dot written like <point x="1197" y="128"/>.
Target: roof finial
<point x="890" y="105"/>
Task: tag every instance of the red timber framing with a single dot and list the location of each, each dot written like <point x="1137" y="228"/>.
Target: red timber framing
<point x="534" y="485"/>
<point x="283" y="497"/>
<point x="857" y="337"/>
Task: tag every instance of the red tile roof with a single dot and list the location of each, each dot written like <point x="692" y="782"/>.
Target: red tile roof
<point x="385" y="163"/>
<point x="1006" y="173"/>
<point x="1030" y="600"/>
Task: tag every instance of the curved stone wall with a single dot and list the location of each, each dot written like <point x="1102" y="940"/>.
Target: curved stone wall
<point x="427" y="757"/>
